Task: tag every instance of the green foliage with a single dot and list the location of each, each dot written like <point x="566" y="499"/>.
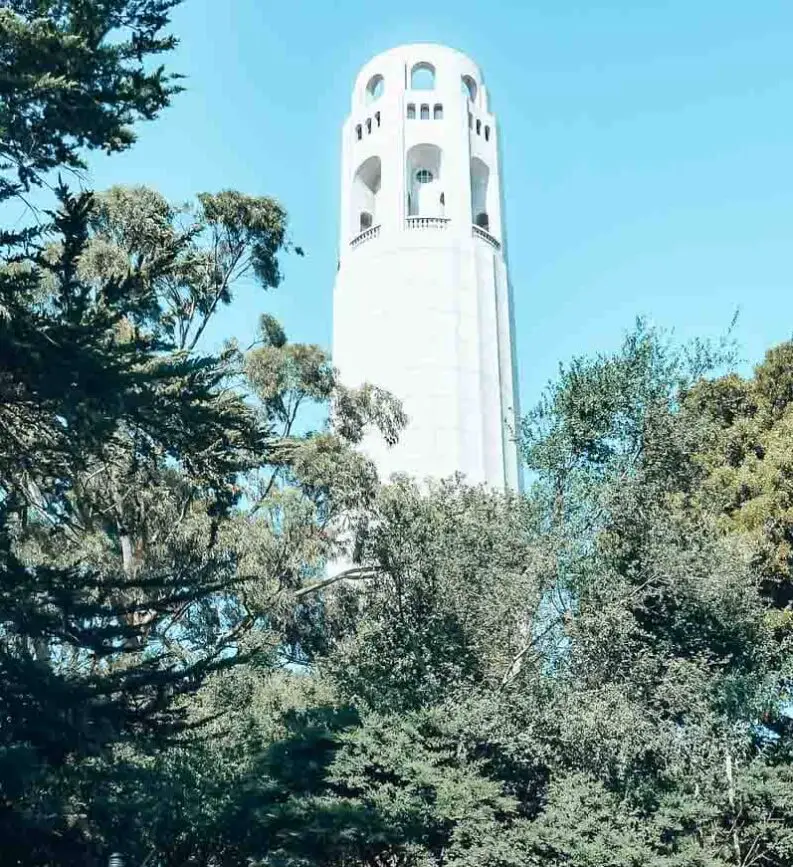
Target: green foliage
<point x="749" y="466"/>
<point x="457" y="577"/>
<point x="584" y="675"/>
<point x="596" y="659"/>
<point x="154" y="526"/>
<point x="158" y="527"/>
<point x="76" y="75"/>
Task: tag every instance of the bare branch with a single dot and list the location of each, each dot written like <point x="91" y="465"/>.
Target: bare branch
<point x="358" y="573"/>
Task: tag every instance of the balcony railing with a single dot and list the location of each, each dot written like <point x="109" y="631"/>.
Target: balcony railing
<point x="366" y="235"/>
<point x="479" y="232"/>
<point x="426" y="222"/>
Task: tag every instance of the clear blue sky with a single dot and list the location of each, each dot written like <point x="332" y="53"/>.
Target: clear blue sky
<point x="647" y="146"/>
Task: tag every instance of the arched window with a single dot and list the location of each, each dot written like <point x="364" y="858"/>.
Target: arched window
<point x="469" y="87"/>
<point x="481" y="194"/>
<point x="411" y="111"/>
<point x="425" y="112"/>
<point x="437" y="112"/>
<point x="375" y="88"/>
<point x="377" y="117"/>
<point x="487" y="133"/>
<point x="364" y="195"/>
<point x="423" y="175"/>
<point x="359" y="132"/>
<point x="479" y="127"/>
<point x="368" y="125"/>
<point x="422" y="77"/>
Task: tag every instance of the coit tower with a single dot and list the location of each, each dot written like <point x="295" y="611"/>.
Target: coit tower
<point x="422" y="302"/>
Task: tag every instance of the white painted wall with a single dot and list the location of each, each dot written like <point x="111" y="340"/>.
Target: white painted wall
<point x="422" y="306"/>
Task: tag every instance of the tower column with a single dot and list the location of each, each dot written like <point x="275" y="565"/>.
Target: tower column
<point x="422" y="301"/>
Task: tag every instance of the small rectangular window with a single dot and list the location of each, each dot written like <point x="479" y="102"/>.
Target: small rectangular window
<point x="425" y="112"/>
<point x="437" y="112"/>
<point x="470" y="120"/>
<point x="411" y="111"/>
<point x="359" y="132"/>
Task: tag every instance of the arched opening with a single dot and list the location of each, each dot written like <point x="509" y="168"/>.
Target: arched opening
<point x="377" y="117"/>
<point x="424" y="181"/>
<point x="368" y="125"/>
<point x="469" y="87"/>
<point x="480" y="191"/>
<point x="375" y="88"/>
<point x="365" y="193"/>
<point x="411" y="111"/>
<point x="437" y="112"/>
<point x="487" y="133"/>
<point x="422" y="77"/>
<point x="359" y="132"/>
<point x="425" y="112"/>
<point x="479" y="127"/>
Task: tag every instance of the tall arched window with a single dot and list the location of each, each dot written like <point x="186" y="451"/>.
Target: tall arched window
<point x="368" y="125"/>
<point x="423" y="170"/>
<point x="487" y="133"/>
<point x="479" y="127"/>
<point x="422" y="77"/>
<point x="469" y="87"/>
<point x="365" y="194"/>
<point x="375" y="88"/>
<point x="425" y="112"/>
<point x="481" y="193"/>
<point x="411" y="111"/>
<point x="437" y="112"/>
<point x="359" y="132"/>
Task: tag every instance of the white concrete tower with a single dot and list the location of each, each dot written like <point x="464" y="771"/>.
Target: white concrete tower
<point x="422" y="301"/>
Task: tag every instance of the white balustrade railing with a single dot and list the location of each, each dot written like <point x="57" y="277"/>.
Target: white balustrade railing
<point x="426" y="222"/>
<point x="479" y="232"/>
<point x="366" y="235"/>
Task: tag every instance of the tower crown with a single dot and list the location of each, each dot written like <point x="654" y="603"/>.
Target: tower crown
<point x="419" y="145"/>
<point x="398" y="69"/>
